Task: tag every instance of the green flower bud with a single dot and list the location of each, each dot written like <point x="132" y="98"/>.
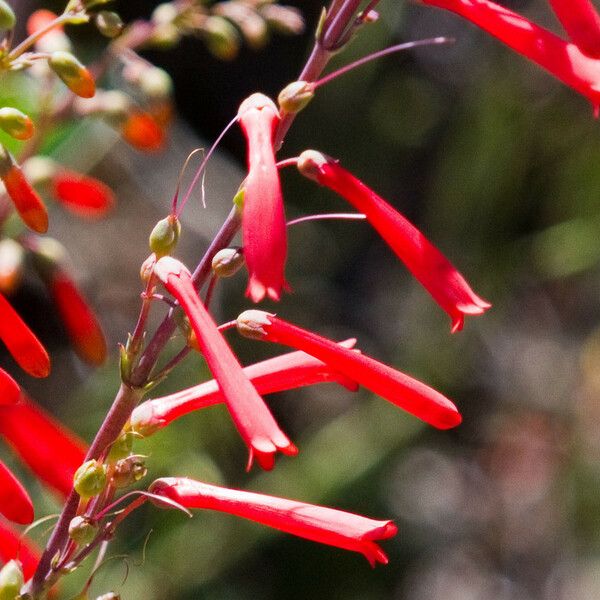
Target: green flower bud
<point x="11" y="580"/>
<point x="295" y="96"/>
<point x="129" y="471"/>
<point x="82" y="530"/>
<point x="164" y="236"/>
<point x="16" y="123"/>
<point x="72" y="73"/>
<point x="121" y="448"/>
<point x="227" y="262"/>
<point x="90" y="479"/>
<point x="109" y="23"/>
<point x="164" y="13"/>
<point x="156" y="83"/>
<point x="221" y="38"/>
<point x="7" y="16"/>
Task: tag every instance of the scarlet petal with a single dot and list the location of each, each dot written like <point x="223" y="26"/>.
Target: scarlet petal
<point x="143" y="132"/>
<point x="84" y="196"/>
<point x="289" y="371"/>
<point x="79" y="319"/>
<point x="27" y="202"/>
<point x="263" y="217"/>
<point x="317" y="523"/>
<point x="21" y="342"/>
<point x="15" y="503"/>
<point x="250" y="414"/>
<point x="14" y="545"/>
<point x="582" y="22"/>
<point x="563" y="60"/>
<point x="48" y="448"/>
<point x="10" y="392"/>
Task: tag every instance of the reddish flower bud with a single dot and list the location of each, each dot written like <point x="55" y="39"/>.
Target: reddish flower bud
<point x="318" y="523"/>
<point x="396" y="387"/>
<point x="430" y="267"/>
<point x="16" y="123"/>
<point x="263" y="218"/>
<point x="85" y="196"/>
<point x="79" y="319"/>
<point x="15" y="503"/>
<point x="563" y="60"/>
<point x="286" y="372"/>
<point x="21" y="342"/>
<point x="27" y="203"/>
<point x="14" y="545"/>
<point x="72" y="73"/>
<point x="250" y="414"/>
<point x="582" y="22"/>
<point x="10" y="392"/>
<point x="48" y="448"/>
<point x="141" y="131"/>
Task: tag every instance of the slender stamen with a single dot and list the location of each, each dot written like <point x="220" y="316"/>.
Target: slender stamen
<point x="345" y="216"/>
<point x="287" y="162"/>
<point x="181" y="173"/>
<point x="379" y="54"/>
<point x="204" y="162"/>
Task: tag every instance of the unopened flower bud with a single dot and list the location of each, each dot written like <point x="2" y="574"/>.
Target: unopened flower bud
<point x="156" y="83"/>
<point x="310" y="162"/>
<point x="165" y="235"/>
<point x="82" y="530"/>
<point x="283" y="19"/>
<point x="121" y="447"/>
<point x="164" y="13"/>
<point x="16" y="123"/>
<point x="109" y="596"/>
<point x="251" y="322"/>
<point x="227" y="262"/>
<point x="114" y="105"/>
<point x="39" y="169"/>
<point x="147" y="267"/>
<point x="109" y="23"/>
<point x="295" y="96"/>
<point x="250" y="23"/>
<point x="90" y="479"/>
<point x="129" y="471"/>
<point x="12" y="258"/>
<point x="7" y="16"/>
<point x="72" y="73"/>
<point x="221" y="38"/>
<point x="48" y="254"/>
<point x="11" y="580"/>
<point x="165" y="36"/>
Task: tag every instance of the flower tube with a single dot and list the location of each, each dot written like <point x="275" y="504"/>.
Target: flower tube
<point x="250" y="414"/>
<point x="317" y="523"/>
<point x="562" y="59"/>
<point x="21" y="342"/>
<point x="48" y="448"/>
<point x="84" y="196"/>
<point x="263" y="219"/>
<point x="15" y="546"/>
<point x="286" y="372"/>
<point x="409" y="394"/>
<point x="429" y="266"/>
<point x="15" y="503"/>
<point x="582" y="22"/>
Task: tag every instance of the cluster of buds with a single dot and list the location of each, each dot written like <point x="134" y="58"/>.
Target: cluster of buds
<point x="223" y="25"/>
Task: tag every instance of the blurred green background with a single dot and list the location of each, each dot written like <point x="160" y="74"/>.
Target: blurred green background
<point x="498" y="164"/>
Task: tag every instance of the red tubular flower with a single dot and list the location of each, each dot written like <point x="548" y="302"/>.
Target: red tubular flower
<point x="48" y="448"/>
<point x="582" y="22"/>
<point x="430" y="267"/>
<point x="10" y="392"/>
<point x="263" y="218"/>
<point x="15" y="503"/>
<point x="79" y="319"/>
<point x="141" y="131"/>
<point x="250" y="414"/>
<point x="286" y="372"/>
<point x="84" y="196"/>
<point x="25" y="199"/>
<point x="21" y="342"/>
<point x="563" y="60"/>
<point x="317" y="523"/>
<point x="400" y="389"/>
<point x="14" y="545"/>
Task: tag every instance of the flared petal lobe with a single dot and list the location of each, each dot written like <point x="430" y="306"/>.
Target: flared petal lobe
<point x="289" y="371"/>
<point x="250" y="414"/>
<point x="15" y="503"/>
<point x="562" y="59"/>
<point x="409" y="394"/>
<point x="429" y="266"/>
<point x="317" y="523"/>
<point x="263" y="218"/>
